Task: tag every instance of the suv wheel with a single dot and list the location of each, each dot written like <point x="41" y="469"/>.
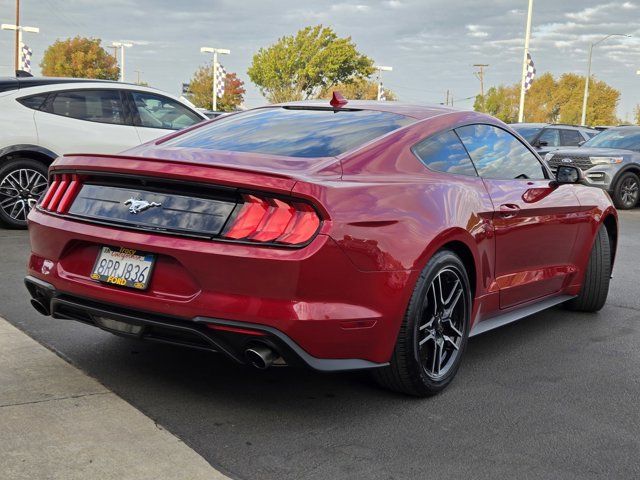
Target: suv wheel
<point x="627" y="191"/>
<point x="22" y="181"/>
<point x="434" y="332"/>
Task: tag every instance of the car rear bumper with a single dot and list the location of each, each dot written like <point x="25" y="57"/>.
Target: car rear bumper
<point x="313" y="299"/>
<point x="215" y="335"/>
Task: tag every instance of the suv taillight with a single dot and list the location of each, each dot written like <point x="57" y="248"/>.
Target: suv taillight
<point x="61" y="193"/>
<point x="271" y="220"/>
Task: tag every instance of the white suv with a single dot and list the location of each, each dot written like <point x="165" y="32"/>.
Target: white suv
<point x="43" y="118"/>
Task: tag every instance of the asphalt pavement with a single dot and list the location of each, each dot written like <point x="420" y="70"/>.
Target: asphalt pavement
<point x="553" y="396"/>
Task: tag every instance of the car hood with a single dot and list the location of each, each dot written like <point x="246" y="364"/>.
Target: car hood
<point x="593" y="152"/>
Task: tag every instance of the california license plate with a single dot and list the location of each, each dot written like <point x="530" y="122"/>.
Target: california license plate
<point x="124" y="267"/>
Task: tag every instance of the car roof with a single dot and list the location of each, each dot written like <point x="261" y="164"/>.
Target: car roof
<point x="419" y="112"/>
<point x="18" y="83"/>
<point x="554" y="125"/>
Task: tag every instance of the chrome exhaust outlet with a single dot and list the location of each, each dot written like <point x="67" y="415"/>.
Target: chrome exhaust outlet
<point x="260" y="356"/>
<point x="40" y="307"/>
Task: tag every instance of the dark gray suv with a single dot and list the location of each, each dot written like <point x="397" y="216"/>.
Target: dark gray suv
<point x="610" y="160"/>
<point x="545" y="137"/>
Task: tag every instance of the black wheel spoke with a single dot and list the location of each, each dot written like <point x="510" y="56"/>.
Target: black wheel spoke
<point x="440" y="330"/>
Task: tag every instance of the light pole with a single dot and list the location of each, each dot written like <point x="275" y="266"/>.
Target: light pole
<point x="583" y="121"/>
<point x="121" y="46"/>
<point x="380" y="69"/>
<point x="214" y="66"/>
<point x="19" y="30"/>
<point x="527" y="37"/>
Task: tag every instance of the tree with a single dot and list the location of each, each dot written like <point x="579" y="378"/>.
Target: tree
<point x="501" y="102"/>
<point x="201" y="86"/>
<point x="553" y="101"/>
<point x="358" y="89"/>
<point x="636" y="112"/>
<point x="81" y="58"/>
<point x="301" y="66"/>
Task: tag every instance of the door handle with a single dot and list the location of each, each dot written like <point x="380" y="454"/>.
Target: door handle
<point x="508" y="210"/>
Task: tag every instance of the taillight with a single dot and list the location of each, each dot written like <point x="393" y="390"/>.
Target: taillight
<point x="272" y="220"/>
<point x="61" y="193"/>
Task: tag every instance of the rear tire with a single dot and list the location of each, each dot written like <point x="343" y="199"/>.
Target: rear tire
<point x="595" y="288"/>
<point x="627" y="191"/>
<point x="22" y="181"/>
<point x="433" y="335"/>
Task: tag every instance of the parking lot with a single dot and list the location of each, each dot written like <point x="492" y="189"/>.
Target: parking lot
<point x="553" y="396"/>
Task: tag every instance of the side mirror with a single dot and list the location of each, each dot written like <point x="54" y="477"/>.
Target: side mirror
<point x="581" y="142"/>
<point x="542" y="143"/>
<point x="569" y="174"/>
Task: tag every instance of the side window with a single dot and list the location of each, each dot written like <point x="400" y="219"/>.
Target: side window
<point x="156" y="111"/>
<point x="102" y="106"/>
<point x="499" y="155"/>
<point x="551" y="136"/>
<point x="444" y="153"/>
<point x="571" y="138"/>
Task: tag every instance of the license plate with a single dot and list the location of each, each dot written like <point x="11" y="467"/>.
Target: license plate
<point x="124" y="267"/>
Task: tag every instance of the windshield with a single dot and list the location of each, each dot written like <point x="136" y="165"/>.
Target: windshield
<point x="528" y="132"/>
<point x="626" y="139"/>
<point x="293" y="132"/>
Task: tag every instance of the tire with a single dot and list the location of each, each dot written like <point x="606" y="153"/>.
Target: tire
<point x="412" y="369"/>
<point x="22" y="181"/>
<point x="595" y="288"/>
<point x="627" y="191"/>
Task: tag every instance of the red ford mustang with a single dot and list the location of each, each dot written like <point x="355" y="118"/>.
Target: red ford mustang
<point x="346" y="236"/>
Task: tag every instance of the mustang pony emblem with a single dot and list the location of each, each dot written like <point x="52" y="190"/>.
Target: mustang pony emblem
<point x="137" y="206"/>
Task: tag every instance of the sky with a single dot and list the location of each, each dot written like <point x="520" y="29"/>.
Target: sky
<point x="431" y="45"/>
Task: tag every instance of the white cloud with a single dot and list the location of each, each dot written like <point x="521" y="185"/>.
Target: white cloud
<point x="476" y="31"/>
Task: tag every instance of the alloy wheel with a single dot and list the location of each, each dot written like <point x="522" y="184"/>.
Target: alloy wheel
<point x="629" y="192"/>
<point x="442" y="323"/>
<point x="20" y="190"/>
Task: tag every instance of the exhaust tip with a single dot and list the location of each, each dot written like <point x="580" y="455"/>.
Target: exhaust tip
<point x="40" y="307"/>
<point x="260" y="356"/>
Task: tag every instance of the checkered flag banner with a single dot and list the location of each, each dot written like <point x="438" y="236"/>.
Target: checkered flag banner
<point x="221" y="76"/>
<point x="26" y="58"/>
<point x="531" y="73"/>
<point x="381" y="95"/>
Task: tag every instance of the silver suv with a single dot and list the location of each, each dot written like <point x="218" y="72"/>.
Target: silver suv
<point x="545" y="137"/>
<point x="610" y="160"/>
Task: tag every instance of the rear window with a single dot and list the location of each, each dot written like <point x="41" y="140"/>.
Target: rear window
<point x="293" y="132"/>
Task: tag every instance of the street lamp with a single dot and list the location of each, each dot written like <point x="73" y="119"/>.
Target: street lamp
<point x="215" y="51"/>
<point x="380" y="69"/>
<point x="586" y="81"/>
<point x="20" y="29"/>
<point x="121" y="46"/>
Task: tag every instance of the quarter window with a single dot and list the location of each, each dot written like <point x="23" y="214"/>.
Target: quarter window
<point x="445" y="153"/>
<point x="156" y="111"/>
<point x="499" y="155"/>
<point x="35" y="101"/>
<point x="103" y="106"/>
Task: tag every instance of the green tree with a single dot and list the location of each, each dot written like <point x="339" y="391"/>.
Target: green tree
<point x="300" y="66"/>
<point x="501" y="102"/>
<point x="540" y="104"/>
<point x="201" y="86"/>
<point x="79" y="57"/>
<point x="636" y="112"/>
<point x="550" y="100"/>
<point x="358" y="89"/>
<point x="601" y="108"/>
